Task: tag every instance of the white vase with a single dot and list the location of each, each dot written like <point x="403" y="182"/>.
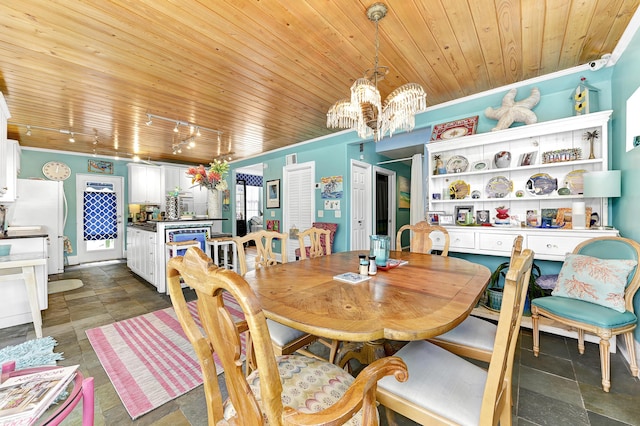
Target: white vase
<point x="214" y="204"/>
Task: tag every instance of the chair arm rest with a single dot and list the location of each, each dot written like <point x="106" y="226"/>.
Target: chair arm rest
<point x="361" y="394"/>
<point x="242" y="326"/>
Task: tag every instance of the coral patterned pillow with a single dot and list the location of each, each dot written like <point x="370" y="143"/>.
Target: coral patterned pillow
<point x="600" y="281"/>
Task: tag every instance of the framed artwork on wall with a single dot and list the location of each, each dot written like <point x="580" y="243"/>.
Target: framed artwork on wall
<point x="100" y="166"/>
<point x="273" y="194"/>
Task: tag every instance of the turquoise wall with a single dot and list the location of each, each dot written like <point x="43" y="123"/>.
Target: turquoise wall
<point x="332" y="157"/>
<point x="625" y="80"/>
<point x="31" y="163"/>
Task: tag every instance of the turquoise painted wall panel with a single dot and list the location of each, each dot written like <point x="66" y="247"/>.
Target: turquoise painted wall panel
<point x="625" y="80"/>
<point x="31" y="167"/>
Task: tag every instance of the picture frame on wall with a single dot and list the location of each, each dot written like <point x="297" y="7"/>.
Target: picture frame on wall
<point x="100" y="166"/>
<point x="273" y="194"/>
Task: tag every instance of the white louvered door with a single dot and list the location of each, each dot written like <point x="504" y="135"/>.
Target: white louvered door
<point x="298" y="199"/>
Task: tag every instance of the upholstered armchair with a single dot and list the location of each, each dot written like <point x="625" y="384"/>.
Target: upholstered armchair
<point x="594" y="294"/>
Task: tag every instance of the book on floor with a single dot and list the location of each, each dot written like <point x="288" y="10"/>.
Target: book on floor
<point x="351" y="277"/>
<point x="24" y="398"/>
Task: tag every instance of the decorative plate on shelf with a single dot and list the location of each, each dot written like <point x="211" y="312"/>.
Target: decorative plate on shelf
<point x="459" y="189"/>
<point x="480" y="165"/>
<point x="457" y="164"/>
<point x="499" y="187"/>
<point x="541" y="184"/>
<point x="575" y="181"/>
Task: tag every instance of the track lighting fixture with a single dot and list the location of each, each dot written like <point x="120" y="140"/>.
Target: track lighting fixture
<point x="194" y="131"/>
<point x="28" y="130"/>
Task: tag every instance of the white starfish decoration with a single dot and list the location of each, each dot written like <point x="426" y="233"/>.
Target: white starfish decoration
<point x="511" y="111"/>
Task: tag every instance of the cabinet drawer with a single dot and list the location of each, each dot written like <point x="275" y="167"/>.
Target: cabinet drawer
<point x="555" y="246"/>
<point x="499" y="243"/>
<point x="462" y="240"/>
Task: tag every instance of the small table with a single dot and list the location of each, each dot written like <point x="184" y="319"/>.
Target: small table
<point x="27" y="262"/>
<point x="424" y="298"/>
<point x="78" y="389"/>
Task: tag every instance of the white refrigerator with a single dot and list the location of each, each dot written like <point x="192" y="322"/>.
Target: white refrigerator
<point x="42" y="203"/>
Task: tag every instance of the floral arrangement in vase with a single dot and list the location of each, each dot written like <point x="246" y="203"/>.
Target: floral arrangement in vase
<point x="211" y="178"/>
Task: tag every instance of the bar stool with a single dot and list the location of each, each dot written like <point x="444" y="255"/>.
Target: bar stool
<point x="227" y="245"/>
<point x="174" y="246"/>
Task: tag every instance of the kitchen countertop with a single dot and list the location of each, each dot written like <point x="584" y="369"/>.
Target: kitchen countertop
<point x="24" y="232"/>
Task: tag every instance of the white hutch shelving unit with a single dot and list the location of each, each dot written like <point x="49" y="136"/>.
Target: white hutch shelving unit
<point x="563" y="134"/>
<point x="548" y="244"/>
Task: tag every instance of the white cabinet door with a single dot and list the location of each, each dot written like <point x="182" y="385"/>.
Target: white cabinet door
<point x="9" y="153"/>
<point x="145" y="184"/>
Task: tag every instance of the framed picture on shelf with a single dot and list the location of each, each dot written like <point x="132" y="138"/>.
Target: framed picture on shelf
<point x="455" y="129"/>
<point x="446" y="219"/>
<point x="273" y="194"/>
<point x="433" y="218"/>
<point x="482" y="217"/>
<point x="461" y="214"/>
<point x="528" y="158"/>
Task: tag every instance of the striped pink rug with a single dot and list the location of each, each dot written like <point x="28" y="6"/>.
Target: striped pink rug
<point x="149" y="359"/>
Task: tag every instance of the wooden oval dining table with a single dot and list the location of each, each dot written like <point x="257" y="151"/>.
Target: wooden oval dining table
<point x="426" y="297"/>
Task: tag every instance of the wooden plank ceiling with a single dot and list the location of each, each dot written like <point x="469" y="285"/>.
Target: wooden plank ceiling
<point x="264" y="72"/>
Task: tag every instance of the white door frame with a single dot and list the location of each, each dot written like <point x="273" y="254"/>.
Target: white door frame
<point x="391" y="188"/>
<point x="368" y="207"/>
<point x="82" y="256"/>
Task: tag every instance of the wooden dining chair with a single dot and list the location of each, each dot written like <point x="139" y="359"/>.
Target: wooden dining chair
<point x="444" y="388"/>
<point x="286" y="340"/>
<point x="423" y="236"/>
<point x="594" y="294"/>
<point x="291" y="389"/>
<point x="474" y="337"/>
<point x="320" y="242"/>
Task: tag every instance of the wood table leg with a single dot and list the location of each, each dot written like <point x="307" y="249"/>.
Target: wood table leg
<point x="32" y="293"/>
<point x="364" y="352"/>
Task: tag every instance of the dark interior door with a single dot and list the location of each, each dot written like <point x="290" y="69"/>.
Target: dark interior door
<point x="382" y="204"/>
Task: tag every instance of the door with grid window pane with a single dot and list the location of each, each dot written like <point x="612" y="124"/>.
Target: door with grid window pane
<point x="99" y="218"/>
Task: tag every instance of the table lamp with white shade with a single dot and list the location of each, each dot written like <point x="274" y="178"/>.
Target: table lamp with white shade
<point x="603" y="185"/>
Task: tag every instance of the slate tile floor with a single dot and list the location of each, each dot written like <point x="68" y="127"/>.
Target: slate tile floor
<point x="559" y="388"/>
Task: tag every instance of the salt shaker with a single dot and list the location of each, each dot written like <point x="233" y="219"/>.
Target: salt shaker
<point x="373" y="268"/>
<point x="363" y="265"/>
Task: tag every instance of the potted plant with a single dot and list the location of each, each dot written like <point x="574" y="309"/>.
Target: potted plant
<point x="496" y="286"/>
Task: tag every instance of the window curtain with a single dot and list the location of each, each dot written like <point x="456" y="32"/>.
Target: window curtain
<point x="100" y="216"/>
<point x="416" y="213"/>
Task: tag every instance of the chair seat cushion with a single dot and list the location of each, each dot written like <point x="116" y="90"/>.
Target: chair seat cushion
<point x="441" y="382"/>
<point x="308" y="385"/>
<point x="586" y="312"/>
<point x="281" y="335"/>
<point x="473" y="332"/>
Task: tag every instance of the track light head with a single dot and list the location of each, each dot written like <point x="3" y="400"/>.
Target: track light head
<point x="175" y="129"/>
<point x="71" y="138"/>
<point x="28" y="130"/>
<point x="149" y="120"/>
